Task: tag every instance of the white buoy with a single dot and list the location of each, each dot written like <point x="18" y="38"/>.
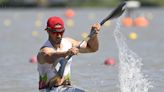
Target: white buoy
<point x="70" y="23"/>
<point x="35" y="33"/>
<point x="7" y="22"/>
<point x="38" y="23"/>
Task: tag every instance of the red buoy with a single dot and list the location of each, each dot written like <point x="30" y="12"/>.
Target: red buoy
<point x="69" y="13"/>
<point x="33" y="59"/>
<point x="127" y="21"/>
<point x="141" y="21"/>
<point x="109" y="61"/>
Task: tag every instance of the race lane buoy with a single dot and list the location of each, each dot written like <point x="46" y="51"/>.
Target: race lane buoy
<point x="70" y="23"/>
<point x="107" y="23"/>
<point x="38" y="23"/>
<point x="141" y="21"/>
<point x="109" y="61"/>
<point x="127" y="21"/>
<point x="69" y="13"/>
<point x="133" y="36"/>
<point x="34" y="33"/>
<point x="7" y="22"/>
<point x="33" y="59"/>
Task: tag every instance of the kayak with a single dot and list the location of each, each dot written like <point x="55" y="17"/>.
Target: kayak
<point x="64" y="89"/>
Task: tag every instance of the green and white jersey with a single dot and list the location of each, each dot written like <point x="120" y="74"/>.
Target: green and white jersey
<point x="47" y="71"/>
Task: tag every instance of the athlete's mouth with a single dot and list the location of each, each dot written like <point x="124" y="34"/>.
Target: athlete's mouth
<point x="58" y="40"/>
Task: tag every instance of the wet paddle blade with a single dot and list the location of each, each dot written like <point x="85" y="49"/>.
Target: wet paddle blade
<point x="115" y="13"/>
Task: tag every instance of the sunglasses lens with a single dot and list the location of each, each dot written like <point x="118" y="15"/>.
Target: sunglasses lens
<point x="55" y="33"/>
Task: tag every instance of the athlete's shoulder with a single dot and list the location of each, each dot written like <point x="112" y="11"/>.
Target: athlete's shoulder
<point x="47" y="49"/>
<point x="43" y="54"/>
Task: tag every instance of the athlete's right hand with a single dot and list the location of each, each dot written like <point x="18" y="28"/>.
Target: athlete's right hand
<point x="96" y="27"/>
<point x="73" y="51"/>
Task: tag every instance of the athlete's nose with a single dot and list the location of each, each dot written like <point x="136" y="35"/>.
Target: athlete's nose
<point x="59" y="35"/>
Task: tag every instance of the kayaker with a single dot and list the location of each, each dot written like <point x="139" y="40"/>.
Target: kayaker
<point x="57" y="48"/>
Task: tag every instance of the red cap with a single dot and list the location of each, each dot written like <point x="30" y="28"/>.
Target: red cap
<point x="55" y="23"/>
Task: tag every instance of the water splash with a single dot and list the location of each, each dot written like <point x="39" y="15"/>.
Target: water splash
<point x="130" y="75"/>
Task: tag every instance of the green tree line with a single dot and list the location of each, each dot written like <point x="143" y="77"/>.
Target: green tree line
<point x="89" y="3"/>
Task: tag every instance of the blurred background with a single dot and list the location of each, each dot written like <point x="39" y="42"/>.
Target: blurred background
<point x="73" y="3"/>
<point x="22" y="24"/>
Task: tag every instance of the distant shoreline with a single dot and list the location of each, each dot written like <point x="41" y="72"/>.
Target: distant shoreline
<point x="71" y="3"/>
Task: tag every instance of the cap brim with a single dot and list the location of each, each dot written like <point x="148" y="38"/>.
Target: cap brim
<point x="55" y="30"/>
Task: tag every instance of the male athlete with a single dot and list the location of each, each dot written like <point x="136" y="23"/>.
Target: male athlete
<point x="55" y="50"/>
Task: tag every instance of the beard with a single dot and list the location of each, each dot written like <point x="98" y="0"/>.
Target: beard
<point x="58" y="40"/>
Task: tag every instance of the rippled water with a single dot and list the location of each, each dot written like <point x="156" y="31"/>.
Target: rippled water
<point x="18" y="45"/>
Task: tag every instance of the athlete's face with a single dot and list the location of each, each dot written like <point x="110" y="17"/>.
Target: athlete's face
<point x="56" y="36"/>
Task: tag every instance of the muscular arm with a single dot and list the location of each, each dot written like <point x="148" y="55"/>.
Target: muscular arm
<point x="92" y="44"/>
<point x="87" y="47"/>
<point x="48" y="55"/>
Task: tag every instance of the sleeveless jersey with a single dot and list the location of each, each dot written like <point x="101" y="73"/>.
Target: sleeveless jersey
<point x="47" y="71"/>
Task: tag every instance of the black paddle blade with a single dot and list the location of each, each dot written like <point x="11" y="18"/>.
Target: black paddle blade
<point x="115" y="13"/>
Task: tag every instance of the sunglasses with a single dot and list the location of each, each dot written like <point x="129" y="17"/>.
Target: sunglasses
<point x="55" y="32"/>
